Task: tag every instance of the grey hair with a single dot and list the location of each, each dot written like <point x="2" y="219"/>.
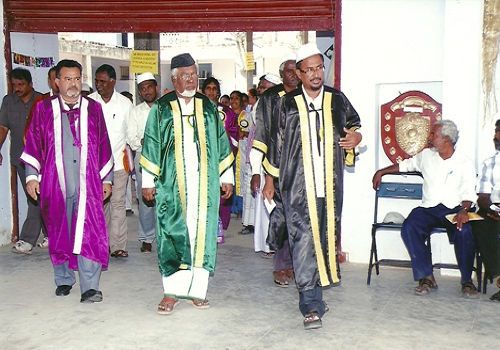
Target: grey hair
<point x="448" y="129"/>
<point x="282" y="66"/>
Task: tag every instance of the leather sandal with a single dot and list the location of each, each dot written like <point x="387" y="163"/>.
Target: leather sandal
<point x="201" y="304"/>
<point x="425" y="286"/>
<point x="167" y="305"/>
<point x="312" y="321"/>
<point x="495" y="297"/>
<point x="469" y="290"/>
<point x="119" y="254"/>
<point x="280" y="278"/>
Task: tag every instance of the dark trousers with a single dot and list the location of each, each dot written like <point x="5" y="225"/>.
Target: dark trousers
<point x="33" y="223"/>
<point x="417" y="228"/>
<point x="311" y="296"/>
<point x="487" y="236"/>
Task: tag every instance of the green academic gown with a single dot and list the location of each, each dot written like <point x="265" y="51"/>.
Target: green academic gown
<point x="163" y="157"/>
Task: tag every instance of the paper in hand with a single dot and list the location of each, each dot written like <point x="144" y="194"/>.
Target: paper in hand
<point x="269" y="205"/>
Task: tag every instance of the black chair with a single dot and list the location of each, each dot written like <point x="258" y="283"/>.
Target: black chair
<point x="403" y="191"/>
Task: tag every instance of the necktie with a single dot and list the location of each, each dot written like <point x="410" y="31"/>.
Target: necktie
<point x="73" y="116"/>
<point x="318" y="127"/>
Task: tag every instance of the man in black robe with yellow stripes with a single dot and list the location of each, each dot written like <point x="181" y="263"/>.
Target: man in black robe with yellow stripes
<point x="317" y="135"/>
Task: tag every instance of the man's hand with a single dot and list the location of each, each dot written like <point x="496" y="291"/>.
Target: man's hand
<point x="493" y="215"/>
<point x="33" y="189"/>
<point x="461" y="218"/>
<point x="377" y="179"/>
<point x="255" y="184"/>
<point x="351" y="139"/>
<point x="268" y="190"/>
<point x="106" y="191"/>
<point x="149" y="194"/>
<point x="227" y="191"/>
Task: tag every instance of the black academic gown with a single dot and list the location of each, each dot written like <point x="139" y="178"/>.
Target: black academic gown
<point x="290" y="156"/>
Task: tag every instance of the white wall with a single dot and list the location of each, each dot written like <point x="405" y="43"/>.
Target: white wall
<point x="36" y="45"/>
<point x="407" y="43"/>
<point x="5" y="207"/>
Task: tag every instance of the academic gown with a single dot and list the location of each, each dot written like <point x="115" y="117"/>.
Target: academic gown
<point x="163" y="157"/>
<point x="290" y="158"/>
<point x="43" y="151"/>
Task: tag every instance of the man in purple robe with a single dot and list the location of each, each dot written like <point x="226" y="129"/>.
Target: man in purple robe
<point x="69" y="168"/>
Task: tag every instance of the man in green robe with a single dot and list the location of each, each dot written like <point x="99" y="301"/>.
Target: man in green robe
<point x="187" y="165"/>
<point x="317" y="127"/>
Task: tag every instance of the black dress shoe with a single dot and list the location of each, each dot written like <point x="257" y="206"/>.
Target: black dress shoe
<point x="91" y="296"/>
<point x="63" y="290"/>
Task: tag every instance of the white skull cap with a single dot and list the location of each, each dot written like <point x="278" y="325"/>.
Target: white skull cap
<point x="306" y="51"/>
<point x="145" y="76"/>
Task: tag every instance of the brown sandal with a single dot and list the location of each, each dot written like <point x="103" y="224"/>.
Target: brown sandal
<point x="119" y="254"/>
<point x="167" y="305"/>
<point x="280" y="278"/>
<point x="469" y="290"/>
<point x="312" y="321"/>
<point x="201" y="304"/>
<point x="425" y="286"/>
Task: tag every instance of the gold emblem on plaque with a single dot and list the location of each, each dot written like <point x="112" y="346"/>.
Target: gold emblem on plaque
<point x="387" y="116"/>
<point x="392" y="151"/>
<point x="387" y="127"/>
<point x="412" y="131"/>
<point x="387" y="140"/>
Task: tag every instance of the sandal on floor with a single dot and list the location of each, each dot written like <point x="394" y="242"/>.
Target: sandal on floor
<point x="425" y="286"/>
<point x="119" y="254"/>
<point x="495" y="297"/>
<point x="312" y="321"/>
<point x="201" y="304"/>
<point x="469" y="290"/>
<point x="268" y="255"/>
<point x="280" y="278"/>
<point x="167" y="305"/>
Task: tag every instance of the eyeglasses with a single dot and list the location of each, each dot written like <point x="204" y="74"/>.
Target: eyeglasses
<point x="188" y="76"/>
<point x="312" y="70"/>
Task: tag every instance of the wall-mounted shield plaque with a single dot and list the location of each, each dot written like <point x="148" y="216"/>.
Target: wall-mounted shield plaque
<point x="405" y="124"/>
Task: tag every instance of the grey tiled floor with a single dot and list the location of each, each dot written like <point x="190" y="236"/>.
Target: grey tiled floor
<point x="247" y="310"/>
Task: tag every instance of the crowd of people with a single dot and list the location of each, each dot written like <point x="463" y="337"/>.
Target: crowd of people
<point x="273" y="157"/>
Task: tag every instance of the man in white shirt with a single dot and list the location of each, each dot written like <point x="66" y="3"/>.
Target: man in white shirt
<point x="487" y="231"/>
<point x="116" y="109"/>
<point x="449" y="181"/>
<point x="148" y="90"/>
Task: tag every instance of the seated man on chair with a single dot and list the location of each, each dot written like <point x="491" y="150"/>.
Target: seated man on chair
<point x="487" y="231"/>
<point x="448" y="188"/>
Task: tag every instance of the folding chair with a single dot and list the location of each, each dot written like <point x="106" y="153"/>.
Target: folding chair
<point x="388" y="190"/>
<point x="404" y="191"/>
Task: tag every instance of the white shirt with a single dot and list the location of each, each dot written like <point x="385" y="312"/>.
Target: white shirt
<point x="255" y="156"/>
<point x="488" y="180"/>
<point x="190" y="151"/>
<point x="319" y="169"/>
<point x="116" y="112"/>
<point x="447" y="181"/>
<point x="136" y="124"/>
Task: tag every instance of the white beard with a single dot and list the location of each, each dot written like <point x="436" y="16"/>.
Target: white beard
<point x="187" y="93"/>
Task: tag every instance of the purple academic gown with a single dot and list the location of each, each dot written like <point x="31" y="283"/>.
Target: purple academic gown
<point x="232" y="129"/>
<point x="43" y="151"/>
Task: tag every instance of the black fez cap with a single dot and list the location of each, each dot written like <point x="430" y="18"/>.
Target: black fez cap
<point x="182" y="60"/>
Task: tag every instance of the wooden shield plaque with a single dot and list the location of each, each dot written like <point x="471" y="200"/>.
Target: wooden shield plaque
<point x="405" y="124"/>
